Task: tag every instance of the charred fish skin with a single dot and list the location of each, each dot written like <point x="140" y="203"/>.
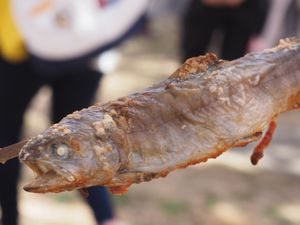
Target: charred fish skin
<point x="204" y="108"/>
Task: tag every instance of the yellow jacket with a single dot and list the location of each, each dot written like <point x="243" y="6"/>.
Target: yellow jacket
<point x="11" y="43"/>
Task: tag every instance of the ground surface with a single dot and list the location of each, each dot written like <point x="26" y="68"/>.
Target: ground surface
<point x="225" y="191"/>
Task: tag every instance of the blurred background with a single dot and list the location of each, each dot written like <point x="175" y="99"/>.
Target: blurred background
<point x="223" y="191"/>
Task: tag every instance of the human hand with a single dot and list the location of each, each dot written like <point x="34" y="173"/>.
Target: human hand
<point x="256" y="43"/>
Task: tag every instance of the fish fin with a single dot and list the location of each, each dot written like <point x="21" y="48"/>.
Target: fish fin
<point x="263" y="144"/>
<point x="246" y="140"/>
<point x="194" y="65"/>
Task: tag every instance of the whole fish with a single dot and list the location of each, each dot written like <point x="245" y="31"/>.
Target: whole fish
<point x="204" y="108"/>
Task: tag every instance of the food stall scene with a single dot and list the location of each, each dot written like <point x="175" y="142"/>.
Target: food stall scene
<point x="142" y="112"/>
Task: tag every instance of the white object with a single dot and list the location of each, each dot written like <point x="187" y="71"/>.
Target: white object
<point x="64" y="29"/>
<point x="108" y="61"/>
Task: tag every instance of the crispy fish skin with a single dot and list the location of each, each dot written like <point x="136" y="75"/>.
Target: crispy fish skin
<point x="204" y="108"/>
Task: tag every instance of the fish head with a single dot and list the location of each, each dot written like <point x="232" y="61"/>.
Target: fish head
<point x="66" y="159"/>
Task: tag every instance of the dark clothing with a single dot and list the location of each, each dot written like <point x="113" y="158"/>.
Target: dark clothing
<point x="238" y="25"/>
<point x="18" y="84"/>
<point x="9" y="174"/>
<point x="100" y="202"/>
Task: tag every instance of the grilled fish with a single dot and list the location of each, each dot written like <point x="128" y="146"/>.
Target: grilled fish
<point x="204" y="108"/>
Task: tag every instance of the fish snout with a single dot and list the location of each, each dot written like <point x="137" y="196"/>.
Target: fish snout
<point x="30" y="154"/>
<point x="34" y="152"/>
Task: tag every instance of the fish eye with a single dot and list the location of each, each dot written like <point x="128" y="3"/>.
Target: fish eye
<point x="60" y="150"/>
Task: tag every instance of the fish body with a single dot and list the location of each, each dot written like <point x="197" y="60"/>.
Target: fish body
<point x="204" y="108"/>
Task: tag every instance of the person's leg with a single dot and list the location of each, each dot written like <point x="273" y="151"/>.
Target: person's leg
<point x="235" y="42"/>
<point x="243" y="22"/>
<point x="18" y="84"/>
<point x="9" y="174"/>
<point x="100" y="202"/>
<point x="199" y="22"/>
<point x="73" y="92"/>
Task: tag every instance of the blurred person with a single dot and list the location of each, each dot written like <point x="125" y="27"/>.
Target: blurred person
<point x="37" y="54"/>
<point x="283" y="21"/>
<point x="71" y="91"/>
<point x="237" y="19"/>
<point x="11" y="49"/>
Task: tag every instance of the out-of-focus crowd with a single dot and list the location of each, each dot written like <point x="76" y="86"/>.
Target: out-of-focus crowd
<point x="57" y="42"/>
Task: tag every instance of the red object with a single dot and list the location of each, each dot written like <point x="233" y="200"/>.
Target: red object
<point x="102" y="3"/>
<point x="258" y="151"/>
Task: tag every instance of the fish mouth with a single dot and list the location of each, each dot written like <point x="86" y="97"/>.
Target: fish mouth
<point x="50" y="178"/>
